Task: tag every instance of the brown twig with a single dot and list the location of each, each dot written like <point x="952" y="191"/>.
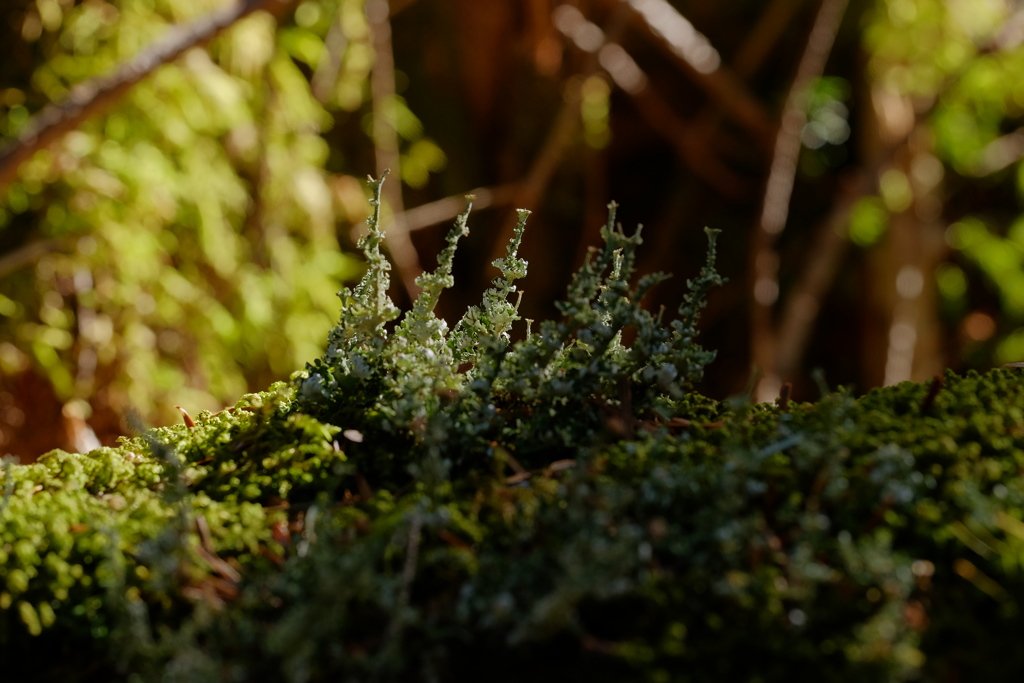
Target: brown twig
<point x="552" y="468"/>
<point x="363" y="487"/>
<point x="385" y="141"/>
<point x="90" y="98"/>
<point x="189" y="422"/>
<point x="764" y="261"/>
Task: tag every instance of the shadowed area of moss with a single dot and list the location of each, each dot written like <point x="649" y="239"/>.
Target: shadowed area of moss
<point x="431" y="504"/>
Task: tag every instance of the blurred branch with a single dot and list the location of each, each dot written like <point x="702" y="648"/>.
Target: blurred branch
<point x="748" y="58"/>
<point x="627" y="75"/>
<point x="589" y="38"/>
<point x="825" y="256"/>
<point x="753" y="53"/>
<point x="998" y="154"/>
<point x="693" y="52"/>
<point x="26" y="254"/>
<point x="92" y="97"/>
<point x="435" y="212"/>
<point x="1011" y="33"/>
<point x="253" y="226"/>
<point x="692" y="149"/>
<point x="325" y="76"/>
<point x="552" y="152"/>
<point x="386" y="145"/>
<point x="764" y="262"/>
<point x="401" y="5"/>
<point x="701" y="143"/>
<point x="603" y="52"/>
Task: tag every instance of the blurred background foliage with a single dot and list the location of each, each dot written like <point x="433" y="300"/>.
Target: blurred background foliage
<point x="184" y="245"/>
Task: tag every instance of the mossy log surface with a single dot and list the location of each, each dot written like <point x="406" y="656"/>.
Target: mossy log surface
<point x="876" y="538"/>
<point x="435" y="505"/>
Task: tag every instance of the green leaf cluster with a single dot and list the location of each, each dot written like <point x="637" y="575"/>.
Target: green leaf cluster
<point x="190" y="235"/>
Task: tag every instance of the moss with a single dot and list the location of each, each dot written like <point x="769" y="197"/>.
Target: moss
<point x="431" y="504"/>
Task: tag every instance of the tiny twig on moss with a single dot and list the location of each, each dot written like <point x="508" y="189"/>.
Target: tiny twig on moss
<point x="784" y="394"/>
<point x="189" y="422"/>
<point x="934" y="388"/>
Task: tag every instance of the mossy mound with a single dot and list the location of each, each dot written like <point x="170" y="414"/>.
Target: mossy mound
<point x="429" y="505"/>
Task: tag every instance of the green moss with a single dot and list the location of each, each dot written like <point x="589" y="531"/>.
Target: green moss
<point x="431" y="504"/>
